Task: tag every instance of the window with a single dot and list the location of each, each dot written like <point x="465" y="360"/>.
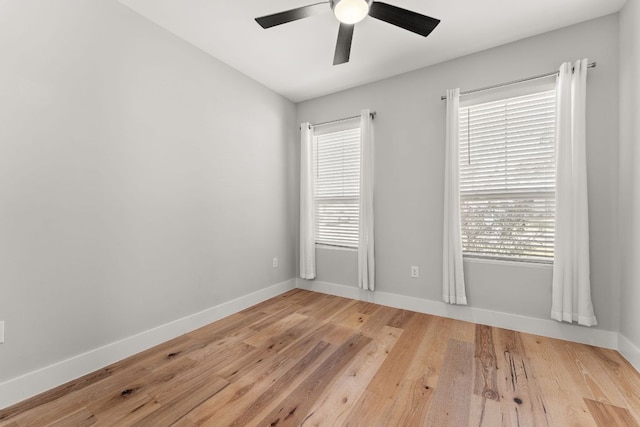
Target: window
<point x="507" y="178"/>
<point x="336" y="172"/>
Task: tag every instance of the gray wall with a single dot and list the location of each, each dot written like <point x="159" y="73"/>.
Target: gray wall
<point x="141" y="180"/>
<point x="409" y="135"/>
<point x="630" y="170"/>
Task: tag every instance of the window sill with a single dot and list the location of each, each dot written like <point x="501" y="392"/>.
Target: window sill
<point x="336" y="248"/>
<point x="531" y="264"/>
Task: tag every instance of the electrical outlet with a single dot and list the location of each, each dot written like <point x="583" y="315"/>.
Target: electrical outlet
<point x="1" y="331"/>
<point x="415" y="271"/>
<point x="275" y="263"/>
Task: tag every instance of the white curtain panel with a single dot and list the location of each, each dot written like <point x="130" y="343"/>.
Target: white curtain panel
<point x="453" y="288"/>
<point x="366" y="260"/>
<point x="307" y="205"/>
<point x="571" y="290"/>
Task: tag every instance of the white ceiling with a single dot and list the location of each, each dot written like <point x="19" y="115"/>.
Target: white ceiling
<point x="295" y="59"/>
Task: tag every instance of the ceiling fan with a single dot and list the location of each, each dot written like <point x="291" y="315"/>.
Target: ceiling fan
<point x="350" y="12"/>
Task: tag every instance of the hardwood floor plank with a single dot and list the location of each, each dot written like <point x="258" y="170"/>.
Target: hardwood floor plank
<point x="412" y="401"/>
<point x="257" y="375"/>
<point x="269" y="319"/>
<point x="178" y="401"/>
<point x="252" y="398"/>
<point x="371" y="408"/>
<point x="522" y="401"/>
<point x="577" y="370"/>
<point x="562" y="397"/>
<point x="171" y="354"/>
<point x="134" y="394"/>
<point x="240" y="393"/>
<point x="606" y="415"/>
<point x="337" y="334"/>
<point x="260" y="338"/>
<point x="80" y="418"/>
<point x="133" y="410"/>
<point x="410" y="408"/>
<point x="149" y="354"/>
<point x="367" y="307"/>
<point x="622" y="375"/>
<point x="295" y="407"/>
<point x="304" y="358"/>
<point x="425" y="367"/>
<point x="292" y="378"/>
<point x="184" y="422"/>
<point x="64" y="405"/>
<point x="488" y="413"/>
<point x="318" y="302"/>
<point x="282" y="341"/>
<point x="226" y="326"/>
<point x="324" y="308"/>
<point x="293" y="297"/>
<point x="347" y="311"/>
<point x="577" y="366"/>
<point x="334" y="405"/>
<point x="451" y="401"/>
<point x="592" y="369"/>
<point x="223" y="353"/>
<point x="377" y="320"/>
<point x="400" y="318"/>
<point x="354" y="321"/>
<point x="486" y="375"/>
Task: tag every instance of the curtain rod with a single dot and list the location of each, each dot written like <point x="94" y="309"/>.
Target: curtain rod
<point x="527" y="79"/>
<point x="373" y="116"/>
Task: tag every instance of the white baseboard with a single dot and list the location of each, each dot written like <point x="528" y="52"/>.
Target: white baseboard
<point x="28" y="385"/>
<point x="532" y="325"/>
<point x="629" y="351"/>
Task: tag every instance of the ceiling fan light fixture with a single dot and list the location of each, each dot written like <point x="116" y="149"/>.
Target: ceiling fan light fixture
<point x="351" y="11"/>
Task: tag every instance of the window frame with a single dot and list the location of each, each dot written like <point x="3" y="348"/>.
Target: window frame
<point x="535" y="88"/>
<point x="326" y="133"/>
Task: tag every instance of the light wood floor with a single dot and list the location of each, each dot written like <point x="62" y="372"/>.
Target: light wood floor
<point x="311" y="359"/>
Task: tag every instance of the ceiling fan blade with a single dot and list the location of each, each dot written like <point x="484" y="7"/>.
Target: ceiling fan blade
<point x="343" y="46"/>
<point x="279" y="18"/>
<point x="403" y="18"/>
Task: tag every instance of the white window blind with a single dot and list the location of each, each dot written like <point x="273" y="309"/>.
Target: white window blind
<point x="507" y="178"/>
<point x="337" y="186"/>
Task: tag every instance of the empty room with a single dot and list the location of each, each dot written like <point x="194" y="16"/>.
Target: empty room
<point x="337" y="213"/>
